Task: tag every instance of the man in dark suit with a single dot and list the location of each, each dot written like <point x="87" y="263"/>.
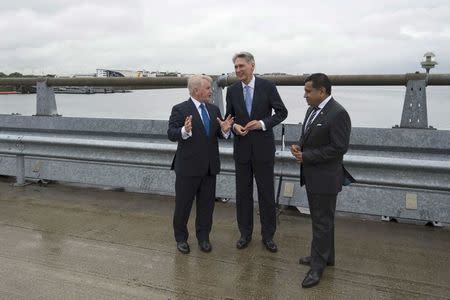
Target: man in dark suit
<point x="196" y="124"/>
<point x="251" y="101"/>
<point x="323" y="143"/>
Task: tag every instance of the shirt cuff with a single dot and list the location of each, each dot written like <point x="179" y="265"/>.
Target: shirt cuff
<point x="263" y="126"/>
<point x="184" y="134"/>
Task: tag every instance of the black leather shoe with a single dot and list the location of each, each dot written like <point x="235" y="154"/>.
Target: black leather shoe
<point x="270" y="245"/>
<point x="183" y="247"/>
<point x="243" y="242"/>
<point x="205" y="246"/>
<point x="307" y="261"/>
<point x="312" y="278"/>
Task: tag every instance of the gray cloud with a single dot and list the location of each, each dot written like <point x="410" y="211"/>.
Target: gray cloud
<point x="347" y="37"/>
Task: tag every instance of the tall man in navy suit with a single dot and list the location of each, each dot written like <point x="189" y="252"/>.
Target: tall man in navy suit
<point x="251" y="101"/>
<point x="323" y="143"/>
<point x="196" y="124"/>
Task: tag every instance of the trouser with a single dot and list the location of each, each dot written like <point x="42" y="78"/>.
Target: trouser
<point x="322" y="208"/>
<point x="264" y="176"/>
<point x="203" y="188"/>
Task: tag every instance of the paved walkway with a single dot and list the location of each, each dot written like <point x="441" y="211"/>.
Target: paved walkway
<point x="62" y="242"/>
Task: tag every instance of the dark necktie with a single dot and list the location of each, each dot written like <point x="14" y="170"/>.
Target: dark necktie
<point x="205" y="118"/>
<point x="311" y="118"/>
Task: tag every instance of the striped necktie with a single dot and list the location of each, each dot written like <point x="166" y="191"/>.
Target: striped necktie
<point x="311" y="118"/>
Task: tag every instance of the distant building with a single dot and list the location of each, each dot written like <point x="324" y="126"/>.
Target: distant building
<point x="108" y="73"/>
<point x="122" y="73"/>
<point x="164" y="74"/>
<point x="275" y="74"/>
<point x="84" y="75"/>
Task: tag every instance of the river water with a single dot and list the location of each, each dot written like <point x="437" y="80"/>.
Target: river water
<point x="374" y="106"/>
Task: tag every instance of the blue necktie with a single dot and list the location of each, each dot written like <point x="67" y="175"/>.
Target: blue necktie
<point x="248" y="98"/>
<point x="205" y="118"/>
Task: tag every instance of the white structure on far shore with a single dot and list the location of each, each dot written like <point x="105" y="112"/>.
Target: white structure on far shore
<point x="134" y="74"/>
<point x="122" y="73"/>
<point x="83" y="75"/>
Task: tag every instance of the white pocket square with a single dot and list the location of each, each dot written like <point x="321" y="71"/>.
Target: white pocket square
<point x="318" y="125"/>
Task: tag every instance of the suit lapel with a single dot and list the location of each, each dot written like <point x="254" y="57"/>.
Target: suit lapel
<point x="302" y="136"/>
<point x="308" y="112"/>
<point x="255" y="97"/>
<point x="240" y="97"/>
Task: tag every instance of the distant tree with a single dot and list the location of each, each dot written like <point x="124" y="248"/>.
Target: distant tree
<point x="15" y="74"/>
<point x="3" y="74"/>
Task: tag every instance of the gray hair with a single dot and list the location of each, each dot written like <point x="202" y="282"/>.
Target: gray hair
<point x="245" y="55"/>
<point x="195" y="81"/>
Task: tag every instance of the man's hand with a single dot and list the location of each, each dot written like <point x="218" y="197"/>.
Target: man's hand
<point x="253" y="125"/>
<point x="295" y="150"/>
<point x="188" y="124"/>
<point x="239" y="130"/>
<point x="226" y="124"/>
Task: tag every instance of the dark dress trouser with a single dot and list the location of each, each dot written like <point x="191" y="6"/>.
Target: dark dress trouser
<point x="322" y="208"/>
<point x="203" y="188"/>
<point x="264" y="176"/>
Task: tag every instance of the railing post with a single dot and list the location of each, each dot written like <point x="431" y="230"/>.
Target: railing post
<point x="217" y="97"/>
<point x="45" y="100"/>
<point x="414" y="114"/>
<point x="20" y="170"/>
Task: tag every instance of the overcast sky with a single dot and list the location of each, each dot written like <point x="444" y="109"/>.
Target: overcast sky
<point x="336" y="37"/>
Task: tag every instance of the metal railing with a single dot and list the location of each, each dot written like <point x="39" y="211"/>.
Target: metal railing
<point x="414" y="114"/>
<point x="224" y="80"/>
<point x="129" y="152"/>
<point x="391" y="165"/>
<point x="136" y="154"/>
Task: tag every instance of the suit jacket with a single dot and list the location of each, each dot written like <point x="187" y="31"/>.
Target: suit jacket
<point x="258" y="145"/>
<point x="323" y="147"/>
<point x="199" y="154"/>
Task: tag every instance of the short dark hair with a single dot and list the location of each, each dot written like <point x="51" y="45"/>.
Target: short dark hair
<point x="320" y="80"/>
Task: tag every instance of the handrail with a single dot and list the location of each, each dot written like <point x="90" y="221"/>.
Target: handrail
<point x="354" y="80"/>
<point x="223" y="81"/>
<point x="160" y="154"/>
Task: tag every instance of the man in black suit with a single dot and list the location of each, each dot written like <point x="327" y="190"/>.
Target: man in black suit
<point x="323" y="143"/>
<point x="251" y="101"/>
<point x="196" y="124"/>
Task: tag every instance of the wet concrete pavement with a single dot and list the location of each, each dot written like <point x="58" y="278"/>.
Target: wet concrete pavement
<point x="62" y="242"/>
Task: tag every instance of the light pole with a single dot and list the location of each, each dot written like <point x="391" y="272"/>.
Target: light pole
<point x="428" y="62"/>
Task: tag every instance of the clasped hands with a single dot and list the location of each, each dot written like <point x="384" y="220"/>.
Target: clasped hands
<point x="225" y="125"/>
<point x="243" y="130"/>
<point x="295" y="150"/>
